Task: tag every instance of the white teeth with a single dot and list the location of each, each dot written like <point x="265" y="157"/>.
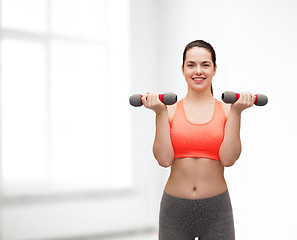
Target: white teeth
<point x="198" y="79"/>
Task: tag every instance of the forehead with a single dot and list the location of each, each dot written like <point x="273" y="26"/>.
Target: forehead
<point x="198" y="54"/>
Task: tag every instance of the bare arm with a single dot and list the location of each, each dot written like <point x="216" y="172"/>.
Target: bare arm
<point x="230" y="149"/>
<point x="162" y="148"/>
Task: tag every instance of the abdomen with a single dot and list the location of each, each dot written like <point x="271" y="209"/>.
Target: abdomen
<point x="196" y="178"/>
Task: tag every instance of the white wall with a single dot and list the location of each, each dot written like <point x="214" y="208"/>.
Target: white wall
<point x="255" y="45"/>
<point x="85" y="215"/>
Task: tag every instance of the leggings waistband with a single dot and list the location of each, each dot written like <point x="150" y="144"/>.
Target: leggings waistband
<point x="219" y="197"/>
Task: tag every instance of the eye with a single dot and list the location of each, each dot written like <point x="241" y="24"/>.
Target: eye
<point x="190" y="65"/>
<point x="206" y="65"/>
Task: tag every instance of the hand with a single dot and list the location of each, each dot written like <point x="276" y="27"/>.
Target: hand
<point x="246" y="100"/>
<point x="152" y="101"/>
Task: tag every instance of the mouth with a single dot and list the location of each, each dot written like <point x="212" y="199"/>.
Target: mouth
<point x="198" y="79"/>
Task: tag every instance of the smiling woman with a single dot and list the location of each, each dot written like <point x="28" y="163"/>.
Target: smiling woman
<point x="197" y="137"/>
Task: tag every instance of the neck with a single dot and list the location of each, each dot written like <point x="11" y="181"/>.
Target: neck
<point x="199" y="97"/>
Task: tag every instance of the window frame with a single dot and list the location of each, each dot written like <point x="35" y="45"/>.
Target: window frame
<point x="44" y="191"/>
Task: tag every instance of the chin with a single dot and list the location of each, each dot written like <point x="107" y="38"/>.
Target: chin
<point x="199" y="88"/>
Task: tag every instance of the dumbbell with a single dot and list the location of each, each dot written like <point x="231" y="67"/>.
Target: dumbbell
<point x="232" y="97"/>
<point x="166" y="98"/>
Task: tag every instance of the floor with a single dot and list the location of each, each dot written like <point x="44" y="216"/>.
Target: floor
<point x="148" y="236"/>
<point x="135" y="237"/>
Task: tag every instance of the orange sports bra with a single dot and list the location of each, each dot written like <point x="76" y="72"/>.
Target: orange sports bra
<point x="197" y="140"/>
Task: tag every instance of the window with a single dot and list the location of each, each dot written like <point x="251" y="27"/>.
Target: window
<point x="64" y="84"/>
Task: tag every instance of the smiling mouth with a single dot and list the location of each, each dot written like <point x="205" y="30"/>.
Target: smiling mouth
<point x="198" y="80"/>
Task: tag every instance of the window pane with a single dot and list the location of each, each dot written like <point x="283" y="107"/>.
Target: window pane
<point x="25" y="15"/>
<point x="79" y="123"/>
<point x="24" y="114"/>
<point x="79" y="18"/>
<point x="64" y="117"/>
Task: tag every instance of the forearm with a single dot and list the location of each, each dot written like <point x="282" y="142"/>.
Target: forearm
<point x="162" y="148"/>
<point x="231" y="146"/>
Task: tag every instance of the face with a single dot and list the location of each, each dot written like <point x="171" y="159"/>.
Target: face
<point x="198" y="68"/>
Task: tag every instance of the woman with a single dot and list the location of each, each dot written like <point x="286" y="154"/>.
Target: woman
<point x="198" y="136"/>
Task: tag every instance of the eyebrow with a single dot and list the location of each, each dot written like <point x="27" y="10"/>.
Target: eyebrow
<point x="195" y="62"/>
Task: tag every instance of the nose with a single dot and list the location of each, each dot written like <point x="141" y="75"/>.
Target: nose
<point x="198" y="70"/>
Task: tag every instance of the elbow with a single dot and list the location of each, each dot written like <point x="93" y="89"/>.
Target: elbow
<point x="165" y="164"/>
<point x="228" y="158"/>
<point x="228" y="161"/>
<point x="165" y="160"/>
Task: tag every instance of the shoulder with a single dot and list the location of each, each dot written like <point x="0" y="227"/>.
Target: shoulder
<point x="226" y="107"/>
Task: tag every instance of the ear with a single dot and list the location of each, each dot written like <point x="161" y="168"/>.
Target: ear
<point x="182" y="67"/>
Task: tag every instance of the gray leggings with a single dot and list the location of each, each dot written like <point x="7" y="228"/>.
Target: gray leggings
<point x="207" y="218"/>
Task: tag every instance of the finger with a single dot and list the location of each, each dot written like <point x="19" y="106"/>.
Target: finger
<point x="247" y="98"/>
<point x="144" y="100"/>
<point x="147" y="96"/>
<point x="156" y="98"/>
<point x="151" y="98"/>
<point x="252" y="99"/>
<point x="242" y="98"/>
<point x="148" y="99"/>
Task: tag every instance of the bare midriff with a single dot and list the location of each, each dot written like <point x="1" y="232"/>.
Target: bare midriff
<point x="195" y="178"/>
